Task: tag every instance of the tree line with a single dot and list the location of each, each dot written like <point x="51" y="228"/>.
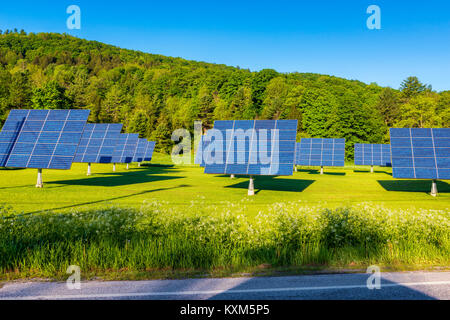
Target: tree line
<point x="153" y="94"/>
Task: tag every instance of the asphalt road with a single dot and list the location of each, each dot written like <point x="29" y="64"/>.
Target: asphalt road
<point x="397" y="286"/>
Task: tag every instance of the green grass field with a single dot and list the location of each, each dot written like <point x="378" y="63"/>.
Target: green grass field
<point x="179" y="185"/>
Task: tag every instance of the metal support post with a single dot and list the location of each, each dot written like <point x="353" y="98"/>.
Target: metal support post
<point x="39" y="183"/>
<point x="434" y="190"/>
<point x="251" y="187"/>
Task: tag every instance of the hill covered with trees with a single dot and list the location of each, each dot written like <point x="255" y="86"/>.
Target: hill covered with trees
<point x="154" y="95"/>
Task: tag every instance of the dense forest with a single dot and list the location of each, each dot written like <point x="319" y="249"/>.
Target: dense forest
<point x="154" y="95"/>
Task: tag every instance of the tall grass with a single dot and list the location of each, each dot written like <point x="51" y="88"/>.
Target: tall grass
<point x="202" y="238"/>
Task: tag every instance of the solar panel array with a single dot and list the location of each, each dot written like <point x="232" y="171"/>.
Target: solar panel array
<point x="372" y="154"/>
<point x="419" y="153"/>
<point x="321" y="152"/>
<point x="125" y="148"/>
<point x="148" y="155"/>
<point x="98" y="143"/>
<point x="251" y="147"/>
<point x="42" y="139"/>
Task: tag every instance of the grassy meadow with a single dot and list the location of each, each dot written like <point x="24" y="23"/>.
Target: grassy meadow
<point x="162" y="221"/>
<point x="179" y="185"/>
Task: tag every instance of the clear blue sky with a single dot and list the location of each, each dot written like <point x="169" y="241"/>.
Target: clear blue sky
<point x="328" y="37"/>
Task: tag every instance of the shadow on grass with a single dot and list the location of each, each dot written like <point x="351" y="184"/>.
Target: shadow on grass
<point x="106" y="200"/>
<point x="375" y="171"/>
<point x="275" y="184"/>
<point x="114" y="179"/>
<point x="151" y="169"/>
<point x="413" y="186"/>
<point x="315" y="171"/>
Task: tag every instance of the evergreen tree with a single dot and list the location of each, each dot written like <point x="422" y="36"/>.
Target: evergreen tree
<point x="412" y="87"/>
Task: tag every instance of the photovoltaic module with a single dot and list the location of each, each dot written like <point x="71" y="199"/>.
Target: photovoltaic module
<point x="250" y="147"/>
<point x="42" y="139"/>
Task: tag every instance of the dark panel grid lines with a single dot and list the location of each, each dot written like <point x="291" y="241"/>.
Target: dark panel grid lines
<point x="125" y="148"/>
<point x="98" y="142"/>
<point x="42" y="139"/>
<point x="251" y="147"/>
<point x="372" y="154"/>
<point x="420" y="153"/>
<point x="321" y="152"/>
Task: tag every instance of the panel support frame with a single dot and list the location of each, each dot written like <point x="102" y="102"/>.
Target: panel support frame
<point x="434" y="191"/>
<point x="251" y="187"/>
<point x="39" y="182"/>
<point x="89" y="171"/>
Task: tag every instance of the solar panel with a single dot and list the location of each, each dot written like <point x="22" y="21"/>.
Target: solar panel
<point x="420" y="153"/>
<point x="149" y="151"/>
<point x="199" y="154"/>
<point x="321" y="152"/>
<point x="372" y="154"/>
<point x="125" y="148"/>
<point x="98" y="142"/>
<point x="140" y="150"/>
<point x="199" y="157"/>
<point x="42" y="139"/>
<point x="251" y="147"/>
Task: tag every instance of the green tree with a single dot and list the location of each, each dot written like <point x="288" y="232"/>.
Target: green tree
<point x="274" y="102"/>
<point x="420" y="112"/>
<point x="20" y="91"/>
<point x="51" y="96"/>
<point x="259" y="84"/>
<point x="412" y="87"/>
<point x="388" y="105"/>
<point x="138" y="123"/>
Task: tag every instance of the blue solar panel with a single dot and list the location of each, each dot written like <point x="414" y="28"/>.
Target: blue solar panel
<point x="199" y="154"/>
<point x="420" y="153"/>
<point x="125" y="148"/>
<point x="42" y="139"/>
<point x="199" y="157"/>
<point x="140" y="150"/>
<point x="320" y="152"/>
<point x="372" y="154"/>
<point x="250" y="147"/>
<point x="149" y="151"/>
<point x="98" y="142"/>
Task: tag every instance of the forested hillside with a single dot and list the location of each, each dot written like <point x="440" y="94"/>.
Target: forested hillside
<point x="154" y="95"/>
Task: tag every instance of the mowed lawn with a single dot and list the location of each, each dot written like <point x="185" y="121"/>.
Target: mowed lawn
<point x="178" y="186"/>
